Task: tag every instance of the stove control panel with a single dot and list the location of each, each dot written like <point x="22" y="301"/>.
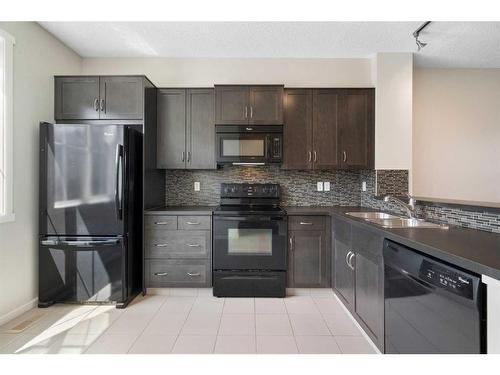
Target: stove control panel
<point x="233" y="190"/>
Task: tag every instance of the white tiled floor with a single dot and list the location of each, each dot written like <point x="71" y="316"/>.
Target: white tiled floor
<point x="191" y="321"/>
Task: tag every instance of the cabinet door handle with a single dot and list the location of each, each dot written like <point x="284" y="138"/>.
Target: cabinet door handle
<point x="310" y="156"/>
<point x="192" y="223"/>
<point x="246" y="112"/>
<point x="189" y="156"/>
<point x="183" y="155"/>
<point x="161" y="245"/>
<point x="103" y="107"/>
<point x="315" y="156"/>
<point x="349" y="263"/>
<point x="305" y="223"/>
<point x="194" y="245"/>
<point x="161" y="273"/>
<point x="161" y="223"/>
<point x="344" y="156"/>
<point x="96" y="104"/>
<point x="291" y="244"/>
<point x="251" y="112"/>
<point x="193" y="274"/>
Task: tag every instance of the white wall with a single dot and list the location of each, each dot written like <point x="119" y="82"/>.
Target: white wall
<point x="456" y="137"/>
<point x="37" y="57"/>
<point x="205" y="72"/>
<point x="393" y="79"/>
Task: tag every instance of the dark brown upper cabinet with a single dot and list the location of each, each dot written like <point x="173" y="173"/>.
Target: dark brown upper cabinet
<point x="254" y="105"/>
<point x="297" y="133"/>
<point x="328" y="128"/>
<point x="357" y="128"/>
<point x="99" y="98"/>
<point x="186" y="133"/>
<point x="76" y="98"/>
<point x="121" y="98"/>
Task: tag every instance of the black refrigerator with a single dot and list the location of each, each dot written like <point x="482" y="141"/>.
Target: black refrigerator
<point x="90" y="213"/>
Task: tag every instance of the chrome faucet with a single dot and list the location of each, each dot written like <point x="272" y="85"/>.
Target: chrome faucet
<point x="409" y="207"/>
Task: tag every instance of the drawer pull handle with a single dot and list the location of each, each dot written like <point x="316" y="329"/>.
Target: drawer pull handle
<point x="161" y="244"/>
<point x="194" y="274"/>
<point x="192" y="223"/>
<point x="193" y="245"/>
<point x="305" y="223"/>
<point x="162" y="222"/>
<point x="161" y="273"/>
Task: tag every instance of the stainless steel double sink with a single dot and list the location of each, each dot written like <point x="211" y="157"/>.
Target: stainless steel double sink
<point x="392" y="221"/>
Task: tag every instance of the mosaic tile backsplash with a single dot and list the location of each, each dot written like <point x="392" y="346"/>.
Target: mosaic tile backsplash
<point x="298" y="187"/>
<point x="474" y="218"/>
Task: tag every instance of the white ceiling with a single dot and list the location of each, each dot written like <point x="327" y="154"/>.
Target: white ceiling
<point x="450" y="44"/>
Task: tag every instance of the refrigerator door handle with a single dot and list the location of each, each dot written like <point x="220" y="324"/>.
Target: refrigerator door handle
<point x="81" y="243"/>
<point x="119" y="182"/>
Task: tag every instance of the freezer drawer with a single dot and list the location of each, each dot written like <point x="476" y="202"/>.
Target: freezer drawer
<point x="81" y="269"/>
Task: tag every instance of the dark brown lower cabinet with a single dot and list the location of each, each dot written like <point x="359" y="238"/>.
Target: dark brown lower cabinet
<point x="359" y="276"/>
<point x="309" y="252"/>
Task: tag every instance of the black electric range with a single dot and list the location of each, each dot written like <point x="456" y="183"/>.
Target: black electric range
<point x="250" y="242"/>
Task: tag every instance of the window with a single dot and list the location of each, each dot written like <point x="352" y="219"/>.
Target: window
<point x="6" y="127"/>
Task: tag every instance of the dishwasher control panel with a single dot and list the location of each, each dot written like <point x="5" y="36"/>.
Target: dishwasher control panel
<point x="444" y="278"/>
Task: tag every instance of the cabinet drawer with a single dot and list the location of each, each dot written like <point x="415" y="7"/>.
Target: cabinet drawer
<point x="306" y="222"/>
<point x="367" y="242"/>
<point x="160" y="222"/>
<point x="178" y="273"/>
<point x="178" y="244"/>
<point x="194" y="222"/>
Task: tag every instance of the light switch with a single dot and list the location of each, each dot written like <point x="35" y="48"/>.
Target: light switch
<point x="197" y="186"/>
<point x="363" y="186"/>
<point x="319" y="186"/>
<point x="326" y="185"/>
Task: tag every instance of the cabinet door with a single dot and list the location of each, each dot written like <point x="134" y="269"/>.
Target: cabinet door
<point x="369" y="294"/>
<point x="325" y="129"/>
<point x="121" y="98"/>
<point x="200" y="129"/>
<point x="297" y="131"/>
<point x="357" y="128"/>
<point x="232" y="106"/>
<point x="266" y="105"/>
<point x="309" y="260"/>
<point x="171" y="151"/>
<point x="344" y="275"/>
<point x="76" y="98"/>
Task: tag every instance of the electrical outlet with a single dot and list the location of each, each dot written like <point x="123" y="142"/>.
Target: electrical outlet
<point x="319" y="186"/>
<point x="197" y="186"/>
<point x="326" y="186"/>
<point x="363" y="186"/>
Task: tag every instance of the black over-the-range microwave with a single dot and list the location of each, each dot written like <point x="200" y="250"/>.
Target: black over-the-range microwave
<point x="249" y="145"/>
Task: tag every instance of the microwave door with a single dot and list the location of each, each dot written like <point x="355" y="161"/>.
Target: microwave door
<point x="242" y="148"/>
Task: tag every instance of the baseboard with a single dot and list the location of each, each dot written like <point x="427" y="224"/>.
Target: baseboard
<point x="18" y="311"/>
<point x="365" y="335"/>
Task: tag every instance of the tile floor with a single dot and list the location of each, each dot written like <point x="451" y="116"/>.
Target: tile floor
<point x="192" y="321"/>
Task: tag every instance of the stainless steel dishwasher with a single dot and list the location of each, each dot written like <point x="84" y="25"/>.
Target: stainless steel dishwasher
<point x="431" y="306"/>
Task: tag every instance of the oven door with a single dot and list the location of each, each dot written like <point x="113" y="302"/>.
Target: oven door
<point x="251" y="242"/>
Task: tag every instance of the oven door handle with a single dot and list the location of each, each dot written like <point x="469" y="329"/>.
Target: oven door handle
<point x="250" y="218"/>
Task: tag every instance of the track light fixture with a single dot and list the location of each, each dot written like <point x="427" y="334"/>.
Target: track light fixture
<point x="416" y="34"/>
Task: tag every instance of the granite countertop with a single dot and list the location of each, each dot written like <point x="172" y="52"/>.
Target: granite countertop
<point x="181" y="210"/>
<point x="474" y="250"/>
